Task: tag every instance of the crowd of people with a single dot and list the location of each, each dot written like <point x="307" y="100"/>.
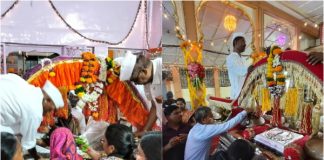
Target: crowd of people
<point x="24" y="105"/>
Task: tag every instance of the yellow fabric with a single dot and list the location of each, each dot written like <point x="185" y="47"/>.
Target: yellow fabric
<point x="291" y="102"/>
<point x="197" y="94"/>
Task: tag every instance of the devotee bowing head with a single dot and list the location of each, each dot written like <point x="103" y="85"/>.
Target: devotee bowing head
<point x="23" y="106"/>
<point x="10" y="147"/>
<point x="142" y="70"/>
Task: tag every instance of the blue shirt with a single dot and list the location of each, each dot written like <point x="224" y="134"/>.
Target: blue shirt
<point x="200" y="136"/>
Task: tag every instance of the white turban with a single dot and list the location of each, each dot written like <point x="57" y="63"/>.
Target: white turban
<point x="127" y="66"/>
<point x="54" y="94"/>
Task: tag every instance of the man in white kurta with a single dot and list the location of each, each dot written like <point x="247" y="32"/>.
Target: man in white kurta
<point x="153" y="88"/>
<point x="22" y="107"/>
<point x="237" y="65"/>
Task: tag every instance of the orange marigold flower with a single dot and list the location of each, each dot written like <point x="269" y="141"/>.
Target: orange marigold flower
<point x="86" y="55"/>
<point x="89" y="80"/>
<point x="278" y="69"/>
<point x="277" y="51"/>
<point x="85" y="68"/>
<point x="84" y="74"/>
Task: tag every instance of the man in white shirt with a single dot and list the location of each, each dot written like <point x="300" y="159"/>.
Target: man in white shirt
<point x="200" y="136"/>
<point x="22" y="107"/>
<point x="237" y="66"/>
<point x="148" y="72"/>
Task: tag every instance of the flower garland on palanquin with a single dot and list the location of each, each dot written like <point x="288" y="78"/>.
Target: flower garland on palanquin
<point x="275" y="82"/>
<point x="91" y="87"/>
<point x="275" y="77"/>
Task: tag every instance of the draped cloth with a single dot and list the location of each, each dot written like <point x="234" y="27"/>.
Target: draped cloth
<point x="62" y="145"/>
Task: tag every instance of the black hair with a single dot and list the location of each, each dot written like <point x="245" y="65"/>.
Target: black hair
<point x="151" y="143"/>
<point x="141" y="63"/>
<point x="182" y="100"/>
<point x="201" y="113"/>
<point x="240" y="149"/>
<point x="8" y="145"/>
<point x="169" y="95"/>
<point x="236" y="39"/>
<point x="168" y="110"/>
<point x="121" y="137"/>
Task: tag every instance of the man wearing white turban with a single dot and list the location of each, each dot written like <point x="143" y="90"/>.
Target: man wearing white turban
<point x="22" y="107"/>
<point x="143" y="71"/>
<point x="237" y="66"/>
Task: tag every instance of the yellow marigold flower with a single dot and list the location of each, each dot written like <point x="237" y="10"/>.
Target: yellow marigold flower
<point x="80" y="94"/>
<point x="110" y="80"/>
<point x="82" y="79"/>
<point x="52" y="74"/>
<point x="79" y="86"/>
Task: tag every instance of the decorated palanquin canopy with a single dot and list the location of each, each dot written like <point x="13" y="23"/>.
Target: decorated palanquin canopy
<point x="109" y="93"/>
<point x="302" y="96"/>
<point x="285" y="87"/>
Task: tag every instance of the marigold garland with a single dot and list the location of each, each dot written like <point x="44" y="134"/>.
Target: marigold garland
<point x="275" y="83"/>
<point x="90" y="64"/>
<point x="266" y="106"/>
<point x="291" y="102"/>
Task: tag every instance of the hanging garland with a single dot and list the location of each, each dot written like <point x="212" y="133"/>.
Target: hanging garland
<point x="9" y="9"/>
<point x="88" y="68"/>
<point x="195" y="73"/>
<point x="94" y="40"/>
<point x="275" y="77"/>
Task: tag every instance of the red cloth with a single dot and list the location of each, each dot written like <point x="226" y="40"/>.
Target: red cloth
<point x="250" y="133"/>
<point x="300" y="58"/>
<point x="295" y="150"/>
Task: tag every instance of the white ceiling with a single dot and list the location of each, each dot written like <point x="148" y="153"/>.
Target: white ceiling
<point x="308" y="10"/>
<point x="36" y="22"/>
<point x="212" y="19"/>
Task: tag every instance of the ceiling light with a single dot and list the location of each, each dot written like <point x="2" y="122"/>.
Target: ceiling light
<point x="279" y="29"/>
<point x="300" y="37"/>
<point x="316" y="26"/>
<point x="212" y="43"/>
<point x="305" y="24"/>
<point x="165" y="15"/>
<point x="225" y="40"/>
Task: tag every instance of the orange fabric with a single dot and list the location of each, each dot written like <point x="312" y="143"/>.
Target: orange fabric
<point x="131" y="108"/>
<point x="67" y="74"/>
<point x="64" y="111"/>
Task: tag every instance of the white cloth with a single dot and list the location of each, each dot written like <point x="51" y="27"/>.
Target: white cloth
<point x="21" y="108"/>
<point x="77" y="113"/>
<point x="154" y="89"/>
<point x="237" y="69"/>
<point x="200" y="137"/>
<point x="54" y="94"/>
<point x="127" y="66"/>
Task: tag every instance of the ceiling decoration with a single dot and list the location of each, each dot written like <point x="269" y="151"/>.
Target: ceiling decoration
<point x="230" y="23"/>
